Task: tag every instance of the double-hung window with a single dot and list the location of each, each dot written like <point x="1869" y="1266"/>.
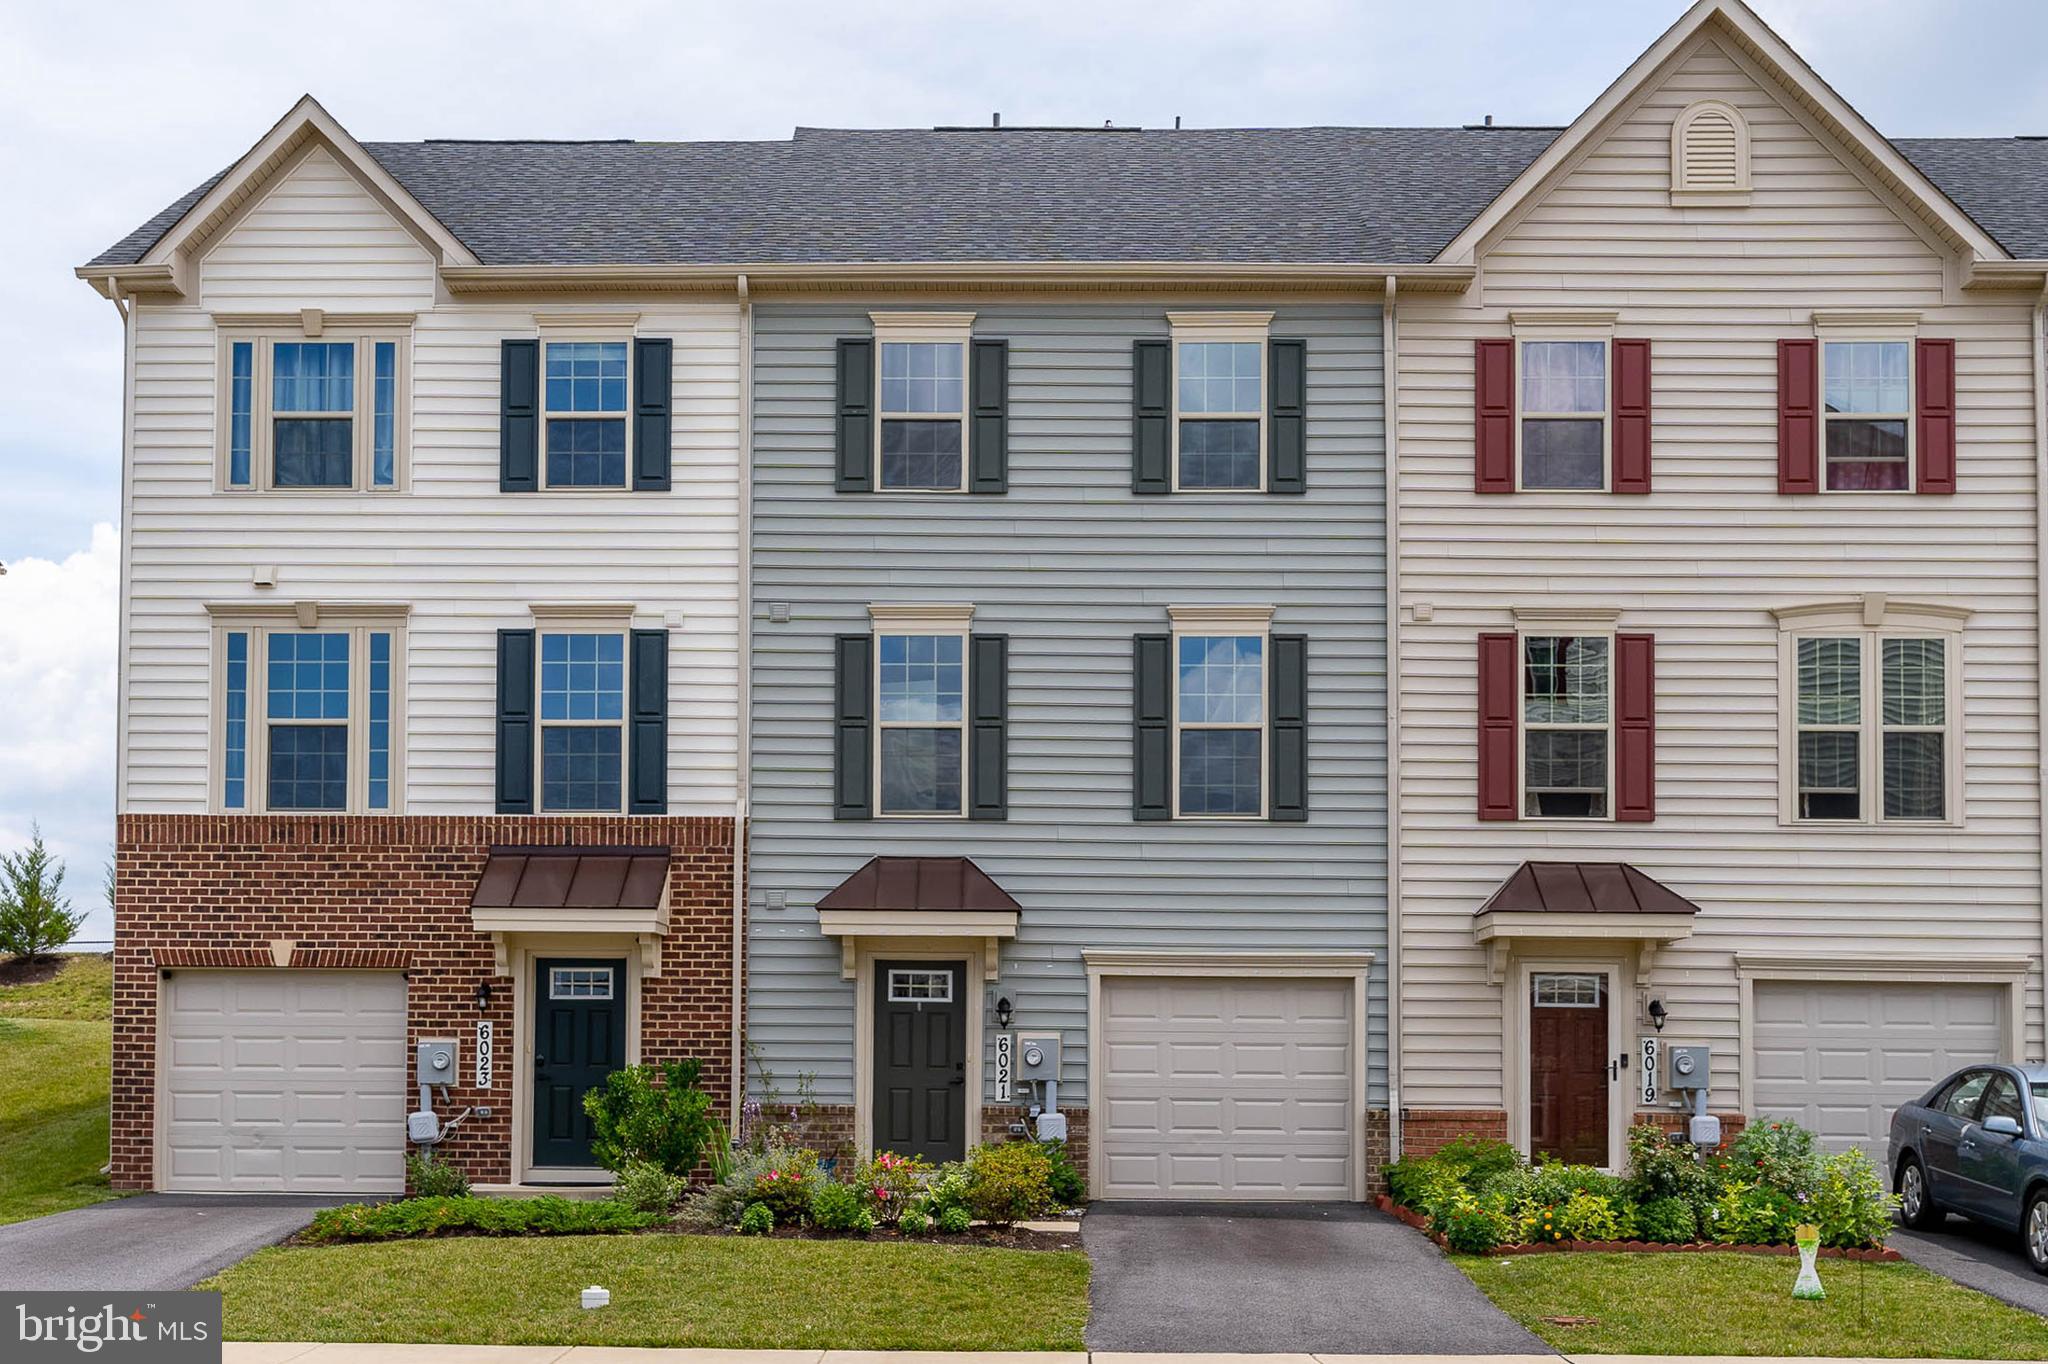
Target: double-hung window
<point x="1219" y="401"/>
<point x="920" y="722"/>
<point x="1872" y="714"/>
<point x="307" y="715"/>
<point x="1867" y="399"/>
<point x="1567" y="748"/>
<point x="582" y="721"/>
<point x="1219" y="720"/>
<point x="921" y="401"/>
<point x="585" y="418"/>
<point x="1563" y="419"/>
<point x="312" y="410"/>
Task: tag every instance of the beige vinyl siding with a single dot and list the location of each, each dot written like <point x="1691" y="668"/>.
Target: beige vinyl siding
<point x="468" y="558"/>
<point x="1699" y="562"/>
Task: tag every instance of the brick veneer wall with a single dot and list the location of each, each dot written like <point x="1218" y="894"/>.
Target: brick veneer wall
<point x="1425" y="1131"/>
<point x="383" y="891"/>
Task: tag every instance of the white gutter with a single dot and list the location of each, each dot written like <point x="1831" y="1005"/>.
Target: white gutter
<point x="1390" y="407"/>
<point x="2040" y="351"/>
<point x="743" y="727"/>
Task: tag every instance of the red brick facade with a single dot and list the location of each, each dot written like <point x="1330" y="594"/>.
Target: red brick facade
<point x="392" y="892"/>
<point x="1425" y="1131"/>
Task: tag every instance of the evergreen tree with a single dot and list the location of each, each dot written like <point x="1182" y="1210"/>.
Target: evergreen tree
<point x="35" y="916"/>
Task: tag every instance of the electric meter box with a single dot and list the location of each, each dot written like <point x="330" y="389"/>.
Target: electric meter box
<point x="1038" y="1056"/>
<point x="436" y="1061"/>
<point x="1689" y="1067"/>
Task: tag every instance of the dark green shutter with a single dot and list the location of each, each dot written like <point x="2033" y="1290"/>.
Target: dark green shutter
<point x="1287" y="712"/>
<point x="1287" y="418"/>
<point x="1152" y="417"/>
<point x="1152" y="702"/>
<point x="515" y="722"/>
<point x="519" y="416"/>
<point x="853" y="728"/>
<point x="988" y="437"/>
<point x="988" y="756"/>
<point x="653" y="358"/>
<point x="647" y="731"/>
<point x="855" y="440"/>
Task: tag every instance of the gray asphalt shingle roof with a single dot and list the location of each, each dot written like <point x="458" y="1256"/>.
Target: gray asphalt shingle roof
<point x="1250" y="195"/>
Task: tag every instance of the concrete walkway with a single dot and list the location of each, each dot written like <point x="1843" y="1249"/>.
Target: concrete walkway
<point x="148" y="1241"/>
<point x="251" y="1352"/>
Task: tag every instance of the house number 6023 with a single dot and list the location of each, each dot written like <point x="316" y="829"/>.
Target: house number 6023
<point x="483" y="1053"/>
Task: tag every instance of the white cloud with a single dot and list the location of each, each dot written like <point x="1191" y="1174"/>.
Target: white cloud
<point x="58" y="624"/>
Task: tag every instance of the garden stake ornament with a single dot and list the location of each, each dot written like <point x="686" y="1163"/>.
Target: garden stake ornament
<point x="1807" y="1237"/>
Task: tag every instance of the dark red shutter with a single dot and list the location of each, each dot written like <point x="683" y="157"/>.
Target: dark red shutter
<point x="1934" y="410"/>
<point x="1499" y="697"/>
<point x="1799" y="416"/>
<point x="1493" y="417"/>
<point x="1631" y="417"/>
<point x="1635" y="728"/>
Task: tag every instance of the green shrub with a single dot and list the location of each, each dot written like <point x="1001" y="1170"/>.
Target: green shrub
<point x="1661" y="1168"/>
<point x="1468" y="1161"/>
<point x="430" y="1178"/>
<point x="1668" y="1221"/>
<point x="1008" y="1182"/>
<point x="890" y="1183"/>
<point x="413" y="1217"/>
<point x="634" y="1120"/>
<point x="648" y="1188"/>
<point x="835" y="1207"/>
<point x="1777" y="1155"/>
<point x="757" y="1220"/>
<point x="1588" y="1217"/>
<point x="955" y="1220"/>
<point x="1472" y="1228"/>
<point x="1476" y="1159"/>
<point x="786" y="1182"/>
<point x="1850" y="1204"/>
<point x="1753" y="1215"/>
<point x="1069" y="1186"/>
<point x="864" y="1222"/>
<point x="913" y="1222"/>
<point x="947" y="1188"/>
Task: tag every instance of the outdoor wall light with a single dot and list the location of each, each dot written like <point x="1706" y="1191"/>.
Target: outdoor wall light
<point x="1003" y="1012"/>
<point x="483" y="995"/>
<point x="1659" y="1015"/>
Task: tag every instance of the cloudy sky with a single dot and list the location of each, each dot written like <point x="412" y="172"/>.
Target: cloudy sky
<point x="101" y="125"/>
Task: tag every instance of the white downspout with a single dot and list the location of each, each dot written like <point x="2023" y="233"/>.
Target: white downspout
<point x="744" y="724"/>
<point x="2040" y="352"/>
<point x="1391" y="408"/>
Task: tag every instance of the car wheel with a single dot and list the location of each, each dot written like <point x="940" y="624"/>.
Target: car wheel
<point x="2034" y="1230"/>
<point x="1916" y="1201"/>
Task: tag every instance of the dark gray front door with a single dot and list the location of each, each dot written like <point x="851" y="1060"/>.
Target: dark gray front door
<point x="579" y="1038"/>
<point x="921" y="1059"/>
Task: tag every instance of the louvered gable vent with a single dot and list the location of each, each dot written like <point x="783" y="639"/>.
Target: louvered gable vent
<point x="1709" y="155"/>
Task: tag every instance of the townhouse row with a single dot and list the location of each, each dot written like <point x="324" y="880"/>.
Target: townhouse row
<point x="1385" y="647"/>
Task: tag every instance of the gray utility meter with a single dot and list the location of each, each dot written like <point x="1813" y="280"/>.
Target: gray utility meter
<point x="1689" y="1067"/>
<point x="436" y="1062"/>
<point x="1038" y="1056"/>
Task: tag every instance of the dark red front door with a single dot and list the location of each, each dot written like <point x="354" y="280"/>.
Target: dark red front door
<point x="1568" y="1066"/>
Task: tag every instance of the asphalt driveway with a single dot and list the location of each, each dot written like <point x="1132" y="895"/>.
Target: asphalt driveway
<point x="1977" y="1257"/>
<point x="148" y="1241"/>
<point x="1335" y="1278"/>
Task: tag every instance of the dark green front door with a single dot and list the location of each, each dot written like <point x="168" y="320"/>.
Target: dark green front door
<point x="921" y="1059"/>
<point x="579" y="1037"/>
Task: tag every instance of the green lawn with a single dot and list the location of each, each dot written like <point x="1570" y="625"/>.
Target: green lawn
<point x="704" y="1291"/>
<point x="54" y="1042"/>
<point x="1708" y="1304"/>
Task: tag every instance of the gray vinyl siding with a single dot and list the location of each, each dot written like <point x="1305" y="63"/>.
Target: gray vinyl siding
<point x="1070" y="564"/>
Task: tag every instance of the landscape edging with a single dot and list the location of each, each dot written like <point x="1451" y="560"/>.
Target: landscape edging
<point x="1407" y="1215"/>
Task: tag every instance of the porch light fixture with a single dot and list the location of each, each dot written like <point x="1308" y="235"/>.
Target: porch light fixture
<point x="1003" y="1012"/>
<point x="483" y="996"/>
<point x="1658" y="1014"/>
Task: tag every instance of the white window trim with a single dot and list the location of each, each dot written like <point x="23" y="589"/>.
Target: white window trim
<point x="570" y="328"/>
<point x="357" y="620"/>
<point x="1897" y="328"/>
<point x="1685" y="194"/>
<point x="1203" y="622"/>
<point x="1872" y="620"/>
<point x="1567" y="324"/>
<point x="905" y="618"/>
<point x="570" y="619"/>
<point x="1557" y="623"/>
<point x="1199" y="327"/>
<point x="263" y="333"/>
<point x="913" y="328"/>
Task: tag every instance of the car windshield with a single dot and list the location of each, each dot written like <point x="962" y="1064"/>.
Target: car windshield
<point x="2040" y="1103"/>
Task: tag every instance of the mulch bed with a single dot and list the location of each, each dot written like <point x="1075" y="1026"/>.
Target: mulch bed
<point x="997" y="1238"/>
<point x="1421" y="1224"/>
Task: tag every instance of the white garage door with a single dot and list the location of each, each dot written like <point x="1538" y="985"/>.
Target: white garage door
<point x="1840" y="1057"/>
<point x="1226" y="1089"/>
<point x="284" y="1080"/>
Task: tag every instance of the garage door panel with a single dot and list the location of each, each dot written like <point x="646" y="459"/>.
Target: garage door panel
<point x="285" y="1081"/>
<point x="1839" y="1057"/>
<point x="1226" y="1089"/>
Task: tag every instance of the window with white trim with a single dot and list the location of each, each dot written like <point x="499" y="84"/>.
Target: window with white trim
<point x="581" y="982"/>
<point x="1567" y="726"/>
<point x="910" y="985"/>
<point x="1562" y="425"/>
<point x="1867" y="411"/>
<point x="1219" y="723"/>
<point x="581" y="754"/>
<point x="921" y="429"/>
<point x="312" y="412"/>
<point x="1219" y="401"/>
<point x="920" y="722"/>
<point x="584" y="413"/>
<point x="1552" y="990"/>
<point x="1872" y="725"/>
<point x="307" y="719"/>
